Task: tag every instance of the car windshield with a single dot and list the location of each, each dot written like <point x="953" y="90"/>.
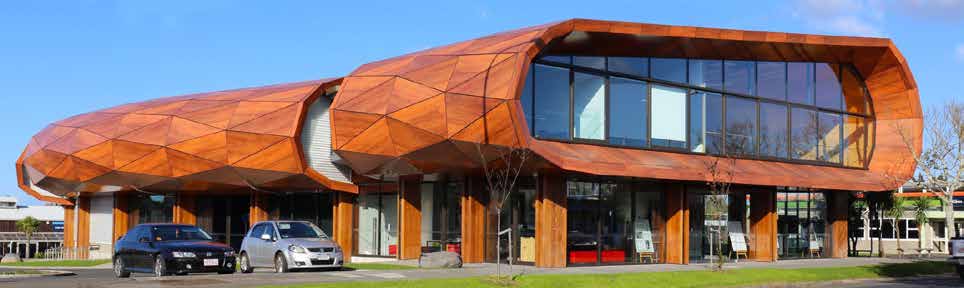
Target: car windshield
<point x="299" y="230"/>
<point x="179" y="233"/>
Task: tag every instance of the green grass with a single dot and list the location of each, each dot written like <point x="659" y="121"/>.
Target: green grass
<point x="60" y="263"/>
<point x="378" y="266"/>
<point x="729" y="278"/>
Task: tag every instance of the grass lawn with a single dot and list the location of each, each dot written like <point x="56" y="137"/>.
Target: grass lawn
<point x="60" y="263"/>
<point x="378" y="266"/>
<point x="734" y="277"/>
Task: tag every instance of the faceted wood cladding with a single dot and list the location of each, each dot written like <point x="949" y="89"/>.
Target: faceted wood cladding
<point x="201" y="142"/>
<point x="422" y="111"/>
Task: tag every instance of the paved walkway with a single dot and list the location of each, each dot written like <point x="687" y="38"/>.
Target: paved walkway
<point x="104" y="277"/>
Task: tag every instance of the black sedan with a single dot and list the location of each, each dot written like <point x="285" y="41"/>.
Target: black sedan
<point x="163" y="249"/>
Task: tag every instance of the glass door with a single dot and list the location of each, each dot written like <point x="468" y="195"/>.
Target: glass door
<point x="613" y="223"/>
<point x="378" y="224"/>
<point x="801" y="224"/>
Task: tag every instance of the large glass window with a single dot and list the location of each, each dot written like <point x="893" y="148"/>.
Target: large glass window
<point x="629" y="65"/>
<point x="441" y="216"/>
<point x="801" y="224"/>
<point x="706" y="74"/>
<point x="828" y="87"/>
<point x="613" y="223"/>
<point x="740" y="126"/>
<point x="627" y="103"/>
<point x="706" y="122"/>
<point x="773" y="130"/>
<point x="551" y="102"/>
<point x="669" y="69"/>
<point x="740" y="76"/>
<point x="831" y="126"/>
<point x="803" y="134"/>
<point x="774" y="110"/>
<point x="669" y="107"/>
<point x="800" y="83"/>
<point x="772" y="80"/>
<point x="589" y="106"/>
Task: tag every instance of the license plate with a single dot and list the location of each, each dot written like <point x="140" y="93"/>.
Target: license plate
<point x="210" y="262"/>
<point x="322" y="257"/>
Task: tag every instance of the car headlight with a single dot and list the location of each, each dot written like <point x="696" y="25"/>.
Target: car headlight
<point x="296" y="249"/>
<point x="229" y="253"/>
<point x="180" y="254"/>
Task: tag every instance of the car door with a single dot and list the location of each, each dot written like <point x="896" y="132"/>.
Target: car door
<point x="252" y="244"/>
<point x="124" y="247"/>
<point x="141" y="251"/>
<point x="266" y="249"/>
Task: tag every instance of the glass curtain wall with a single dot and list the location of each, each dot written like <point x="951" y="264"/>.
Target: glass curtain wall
<point x="717" y="223"/>
<point x="518" y="213"/>
<point x="377" y="225"/>
<point x="156" y="208"/>
<point x="613" y="223"/>
<point x="303" y="206"/>
<point x="791" y="111"/>
<point x="441" y="216"/>
<point x="801" y="224"/>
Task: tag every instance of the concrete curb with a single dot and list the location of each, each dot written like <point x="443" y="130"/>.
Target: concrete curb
<point x="97" y="267"/>
<point x="46" y="273"/>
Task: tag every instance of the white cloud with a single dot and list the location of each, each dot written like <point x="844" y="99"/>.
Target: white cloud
<point x="959" y="52"/>
<point x="847" y="17"/>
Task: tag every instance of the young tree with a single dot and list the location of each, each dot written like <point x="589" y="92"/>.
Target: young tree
<point x="501" y="166"/>
<point x="921" y="205"/>
<point x="719" y="178"/>
<point x="894" y="208"/>
<point x="28" y="226"/>
<point x="940" y="164"/>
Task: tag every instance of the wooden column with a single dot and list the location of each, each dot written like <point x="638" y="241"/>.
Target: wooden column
<point x="763" y="226"/>
<point x="83" y="225"/>
<point x="121" y="217"/>
<point x="473" y="220"/>
<point x="343" y="222"/>
<point x="551" y="221"/>
<point x="837" y="208"/>
<point x="70" y="225"/>
<point x="410" y="217"/>
<point x="677" y="225"/>
<point x="256" y="209"/>
<point x="185" y="209"/>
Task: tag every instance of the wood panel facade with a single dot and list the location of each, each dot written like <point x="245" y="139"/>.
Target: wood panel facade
<point x="410" y="217"/>
<point x="473" y="203"/>
<point x="677" y="226"/>
<point x="838" y="204"/>
<point x="120" y="215"/>
<point x="551" y="221"/>
<point x="343" y="222"/>
<point x="70" y="225"/>
<point x="185" y="209"/>
<point x="257" y="209"/>
<point x="83" y="225"/>
<point x="763" y="226"/>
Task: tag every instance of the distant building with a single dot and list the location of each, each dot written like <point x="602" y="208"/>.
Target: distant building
<point x="888" y="230"/>
<point x="49" y="234"/>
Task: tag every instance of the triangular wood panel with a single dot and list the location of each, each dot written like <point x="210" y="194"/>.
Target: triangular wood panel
<point x="428" y="115"/>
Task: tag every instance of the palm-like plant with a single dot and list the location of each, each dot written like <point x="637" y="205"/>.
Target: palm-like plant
<point x="895" y="209"/>
<point x="921" y="205"/>
<point x="28" y="226"/>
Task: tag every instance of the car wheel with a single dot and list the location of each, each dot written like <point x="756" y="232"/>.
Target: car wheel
<point x="280" y="264"/>
<point x="119" y="270"/>
<point x="160" y="268"/>
<point x="245" y="263"/>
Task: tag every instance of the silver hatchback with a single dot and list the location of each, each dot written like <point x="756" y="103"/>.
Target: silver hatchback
<point x="286" y="245"/>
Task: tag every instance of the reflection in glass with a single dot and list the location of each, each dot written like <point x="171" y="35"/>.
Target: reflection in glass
<point x="629" y="65"/>
<point x="557" y="59"/>
<point x="828" y="87"/>
<point x="526" y="98"/>
<point x="706" y="73"/>
<point x="628" y="109"/>
<point x="589" y="106"/>
<point x="740" y="76"/>
<point x="853" y="91"/>
<point x="740" y="126"/>
<point x="669" y="107"/>
<point x="800" y="83"/>
<point x="803" y="134"/>
<point x="551" y="102"/>
<point x="773" y="130"/>
<point x="801" y="224"/>
<point x="594" y="62"/>
<point x="855" y="148"/>
<point x="613" y="223"/>
<point x="706" y="122"/>
<point x="830" y="126"/>
<point x="669" y="69"/>
<point x="772" y="80"/>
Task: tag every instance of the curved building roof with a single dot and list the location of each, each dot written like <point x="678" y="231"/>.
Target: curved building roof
<point x="424" y="111"/>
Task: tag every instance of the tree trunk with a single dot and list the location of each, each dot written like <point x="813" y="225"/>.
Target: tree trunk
<point x="949" y="218"/>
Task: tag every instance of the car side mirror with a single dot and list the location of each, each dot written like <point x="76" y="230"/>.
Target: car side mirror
<point x="265" y="237"/>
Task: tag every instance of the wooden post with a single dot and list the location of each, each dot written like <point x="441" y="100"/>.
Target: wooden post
<point x="256" y="209"/>
<point x="185" y="209"/>
<point x="410" y="217"/>
<point x="83" y="225"/>
<point x="70" y="225"/>
<point x="551" y="221"/>
<point x="677" y="225"/>
<point x="837" y="209"/>
<point x="343" y="223"/>
<point x="473" y="220"/>
<point x="763" y="226"/>
<point x="121" y="224"/>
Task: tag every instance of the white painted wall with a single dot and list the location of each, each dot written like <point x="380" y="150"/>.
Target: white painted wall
<point x="102" y="219"/>
<point x="316" y="138"/>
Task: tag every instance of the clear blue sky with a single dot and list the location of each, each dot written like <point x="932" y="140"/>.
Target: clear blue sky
<point x="63" y="58"/>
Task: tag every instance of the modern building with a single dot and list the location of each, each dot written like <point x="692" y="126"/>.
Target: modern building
<point x="622" y="120"/>
<point x="48" y="235"/>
